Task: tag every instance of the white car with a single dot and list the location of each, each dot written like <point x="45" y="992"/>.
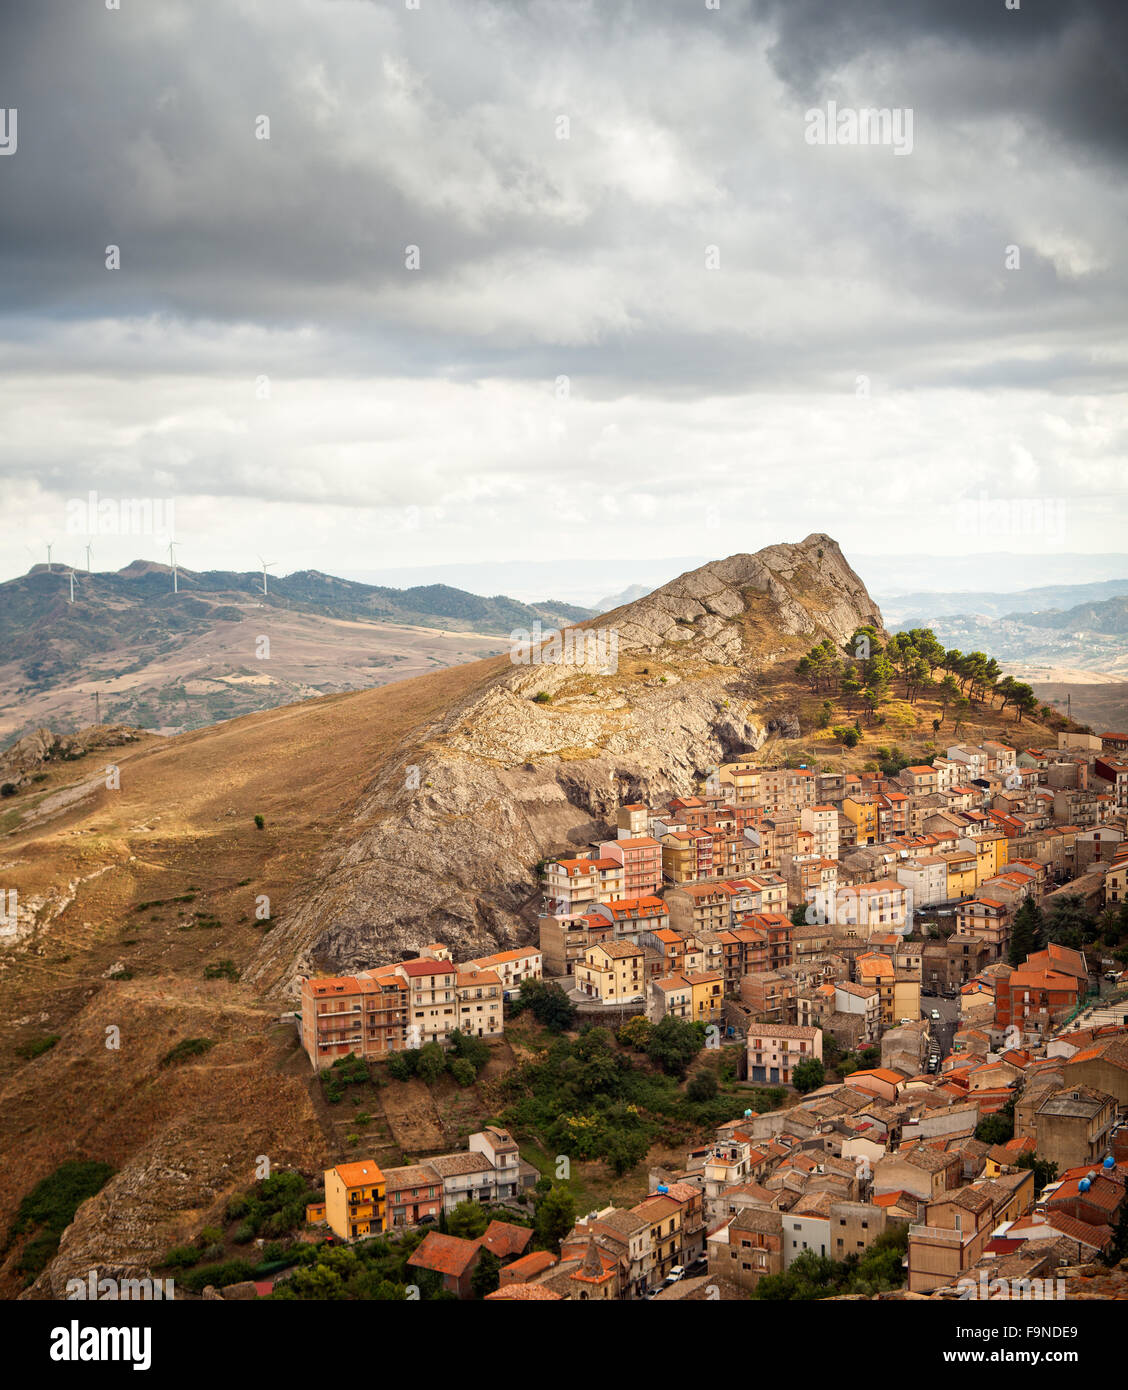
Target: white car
<point x="935" y="1015"/>
<point x="676" y="1273"/>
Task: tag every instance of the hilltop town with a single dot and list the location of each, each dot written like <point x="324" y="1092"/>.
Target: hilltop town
<point x="916" y="978"/>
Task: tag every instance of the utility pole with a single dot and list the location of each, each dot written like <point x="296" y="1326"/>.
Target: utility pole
<point x="97" y="708"/>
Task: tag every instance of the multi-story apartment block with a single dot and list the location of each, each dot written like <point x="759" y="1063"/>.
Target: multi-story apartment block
<point x="512" y="967"/>
<point x="612" y="972"/>
<point x="641" y="859"/>
<point x="774" y="1050"/>
<point x="571" y="885"/>
<point x="479" y="1002"/>
<point x="355" y="1199"/>
<point x="821" y="820"/>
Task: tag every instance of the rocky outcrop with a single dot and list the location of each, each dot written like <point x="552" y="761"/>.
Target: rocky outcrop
<point x="29" y="754"/>
<point x="444" y="845"/>
<point x="805" y="590"/>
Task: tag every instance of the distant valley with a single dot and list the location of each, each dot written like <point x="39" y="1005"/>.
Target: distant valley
<point x="130" y="650"/>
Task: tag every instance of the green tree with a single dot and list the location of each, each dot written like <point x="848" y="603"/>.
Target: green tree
<point x="635" y="1032"/>
<point x="808" y="1075"/>
<point x="1044" y="1171"/>
<point x="487" y="1274"/>
<point x="463" y="1072"/>
<point x="468" y="1220"/>
<point x="548" y="1003"/>
<point x="673" y="1044"/>
<point x="1027" y="932"/>
<point x="432" y="1063"/>
<point x="702" y="1087"/>
<point x="553" y="1218"/>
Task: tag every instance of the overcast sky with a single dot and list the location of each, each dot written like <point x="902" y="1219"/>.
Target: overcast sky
<point x="682" y="330"/>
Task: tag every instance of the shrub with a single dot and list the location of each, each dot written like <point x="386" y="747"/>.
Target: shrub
<point x="542" y="697"/>
<point x="221" y="970"/>
<point x="229" y="1272"/>
<point x="37" y="1047"/>
<point x="463" y="1071"/>
<point x="51" y="1205"/>
<point x="187" y="1047"/>
<point x="400" y="1068"/>
<point x="182" y="1256"/>
<point x="259" y="822"/>
<point x="702" y="1087"/>
<point x="431" y="1064"/>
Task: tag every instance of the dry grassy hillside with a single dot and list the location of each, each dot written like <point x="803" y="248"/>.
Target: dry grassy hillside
<point x="179" y="837"/>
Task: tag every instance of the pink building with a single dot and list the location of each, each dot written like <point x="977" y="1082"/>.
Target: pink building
<point x="641" y="858"/>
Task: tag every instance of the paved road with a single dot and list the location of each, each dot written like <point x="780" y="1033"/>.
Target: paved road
<point x="949" y="1011"/>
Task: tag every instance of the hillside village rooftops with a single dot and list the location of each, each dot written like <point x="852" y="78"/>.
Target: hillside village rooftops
<point x="641" y="907"/>
<point x="410" y="1175"/>
<point x="362" y="1174"/>
<point x="416" y="968"/>
<point x="894" y="1078"/>
<point x="574" y="867"/>
<point x="503" y="957"/>
<point x="444" y="1254"/>
<point x="618" y="950"/>
<point x="469" y="979"/>
<point x="460" y="1165"/>
<point x="782" y="1030"/>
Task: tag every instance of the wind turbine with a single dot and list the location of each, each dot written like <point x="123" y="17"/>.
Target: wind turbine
<point x="89" y="549"/>
<point x="70" y="576"/>
<point x="48" y="557"/>
<point x="172" y="562"/>
<point x="266" y="564"/>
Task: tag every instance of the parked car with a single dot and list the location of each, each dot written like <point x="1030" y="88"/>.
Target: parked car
<point x="935" y="1015"/>
<point x="678" y="1272"/>
<point x="427" y="1220"/>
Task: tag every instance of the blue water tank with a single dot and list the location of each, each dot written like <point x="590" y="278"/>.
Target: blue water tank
<point x="748" y="1114"/>
<point x="1084" y="1185"/>
<point x="662" y="1187"/>
<point x="1110" y="1162"/>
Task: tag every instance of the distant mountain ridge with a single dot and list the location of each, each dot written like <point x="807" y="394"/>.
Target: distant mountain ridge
<point x="166" y="659"/>
<point x="914" y="609"/>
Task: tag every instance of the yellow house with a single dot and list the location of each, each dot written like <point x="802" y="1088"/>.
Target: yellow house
<point x="708" y="994"/>
<point x="990" y="852"/>
<point x="355" y="1199"/>
<point x="906" y="998"/>
<point x="611" y="971"/>
<point x="876" y="970"/>
<point x="962" y="879"/>
<point x="864" y="815"/>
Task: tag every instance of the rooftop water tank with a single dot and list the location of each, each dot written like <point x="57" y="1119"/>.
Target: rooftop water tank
<point x="1084" y="1185"/>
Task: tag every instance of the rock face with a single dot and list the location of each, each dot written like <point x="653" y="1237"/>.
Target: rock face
<point x="804" y="590"/>
<point x="28" y="754"/>
<point x="443" y="847"/>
